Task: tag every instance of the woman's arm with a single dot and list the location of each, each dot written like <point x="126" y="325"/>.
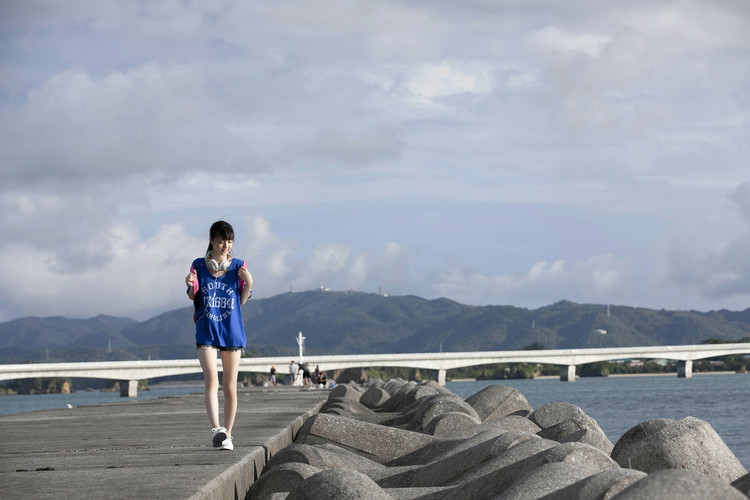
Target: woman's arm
<point x="247" y="290"/>
<point x="190" y="281"/>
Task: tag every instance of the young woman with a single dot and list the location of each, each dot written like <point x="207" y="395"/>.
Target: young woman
<point x="218" y="285"/>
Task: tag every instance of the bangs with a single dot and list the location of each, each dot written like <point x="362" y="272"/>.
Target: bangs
<point x="221" y="231"/>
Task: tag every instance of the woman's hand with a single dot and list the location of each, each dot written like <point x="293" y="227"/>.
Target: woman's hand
<point x="190" y="281"/>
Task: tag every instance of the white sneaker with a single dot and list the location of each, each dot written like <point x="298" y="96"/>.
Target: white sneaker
<point x="219" y="436"/>
<point x="227" y="444"/>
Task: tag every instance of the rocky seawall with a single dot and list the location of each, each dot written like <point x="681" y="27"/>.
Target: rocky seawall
<point x="402" y="440"/>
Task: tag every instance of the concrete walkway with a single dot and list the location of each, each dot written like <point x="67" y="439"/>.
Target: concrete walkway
<point x="157" y="448"/>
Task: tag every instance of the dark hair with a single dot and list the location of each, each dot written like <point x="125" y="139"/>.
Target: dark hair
<point x="220" y="230"/>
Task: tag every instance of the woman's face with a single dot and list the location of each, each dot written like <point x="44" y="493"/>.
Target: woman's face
<point x="221" y="246"/>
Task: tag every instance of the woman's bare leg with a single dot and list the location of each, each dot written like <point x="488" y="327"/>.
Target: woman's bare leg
<point x="207" y="357"/>
<point x="230" y="361"/>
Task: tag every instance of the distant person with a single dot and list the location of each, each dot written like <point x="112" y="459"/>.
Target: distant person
<point x="293" y="372"/>
<point x="218" y="284"/>
<point x="272" y="377"/>
<point x="317" y="373"/>
<point x="306" y="378"/>
<point x="322" y="380"/>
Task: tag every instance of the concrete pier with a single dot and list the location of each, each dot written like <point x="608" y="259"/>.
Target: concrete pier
<point x="568" y="373"/>
<point x="157" y="448"/>
<point x="685" y="369"/>
<point x="128" y="388"/>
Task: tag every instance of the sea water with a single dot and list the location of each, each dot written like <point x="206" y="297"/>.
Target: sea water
<point x="620" y="403"/>
<point x="23" y="403"/>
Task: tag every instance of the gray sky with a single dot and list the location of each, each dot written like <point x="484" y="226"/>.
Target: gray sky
<point x="491" y="152"/>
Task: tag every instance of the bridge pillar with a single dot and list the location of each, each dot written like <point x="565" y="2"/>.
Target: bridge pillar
<point x="685" y="369"/>
<point x="441" y="377"/>
<point x="128" y="388"/>
<point x="568" y="373"/>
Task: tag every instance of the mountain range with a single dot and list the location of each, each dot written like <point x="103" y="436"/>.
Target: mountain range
<point x="355" y="322"/>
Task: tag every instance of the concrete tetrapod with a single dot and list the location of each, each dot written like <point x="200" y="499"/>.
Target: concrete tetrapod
<point x="743" y="484"/>
<point x="338" y="484"/>
<point x="689" y="443"/>
<point x="497" y="401"/>
<point x="679" y="484"/>
<point x="556" y="452"/>
<point x="280" y="478"/>
<point x="376" y="442"/>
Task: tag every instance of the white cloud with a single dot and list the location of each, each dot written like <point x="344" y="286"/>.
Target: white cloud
<point x="357" y="148"/>
<point x="714" y="270"/>
<point x="140" y="277"/>
<point x="429" y="81"/>
<point x="741" y="199"/>
<point x="126" y="125"/>
<point x="596" y="279"/>
<point x="122" y="125"/>
<point x="561" y="43"/>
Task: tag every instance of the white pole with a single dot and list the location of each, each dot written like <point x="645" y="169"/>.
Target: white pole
<point x="301" y="343"/>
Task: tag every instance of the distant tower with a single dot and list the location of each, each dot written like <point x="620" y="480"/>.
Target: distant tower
<point x="301" y="343"/>
<point x="109" y="344"/>
<point x="608" y="310"/>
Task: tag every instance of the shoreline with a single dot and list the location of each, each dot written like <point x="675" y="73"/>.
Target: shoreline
<point x="547" y="377"/>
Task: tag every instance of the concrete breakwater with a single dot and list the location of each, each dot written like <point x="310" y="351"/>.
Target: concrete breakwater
<point x="402" y="440"/>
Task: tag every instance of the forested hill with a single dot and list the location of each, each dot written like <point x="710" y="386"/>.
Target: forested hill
<point x="354" y="322"/>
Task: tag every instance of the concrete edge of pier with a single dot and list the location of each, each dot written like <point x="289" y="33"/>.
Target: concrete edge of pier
<point x="237" y="479"/>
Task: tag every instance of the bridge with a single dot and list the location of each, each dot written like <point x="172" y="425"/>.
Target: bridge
<point x="129" y="372"/>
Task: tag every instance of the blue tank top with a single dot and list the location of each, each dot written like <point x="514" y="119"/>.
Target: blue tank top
<point x="218" y="315"/>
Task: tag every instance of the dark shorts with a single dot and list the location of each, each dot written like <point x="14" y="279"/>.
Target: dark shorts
<point x="220" y="348"/>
